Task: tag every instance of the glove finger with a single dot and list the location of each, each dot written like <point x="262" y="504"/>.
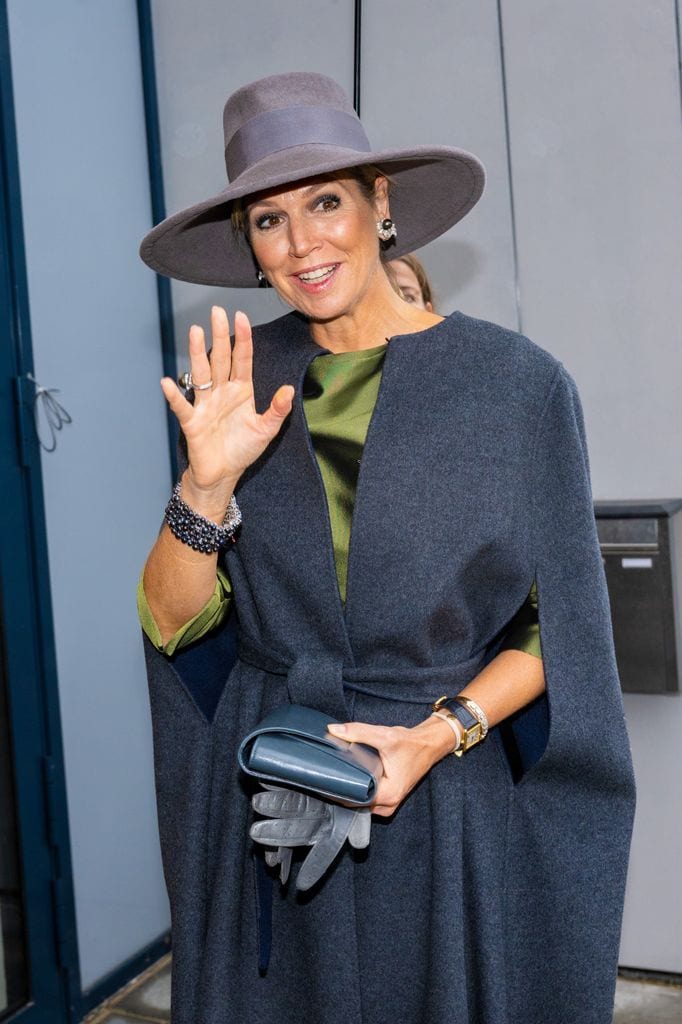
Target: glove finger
<point x="297" y="793"/>
<point x="311" y="802"/>
<point x="280" y="802"/>
<point x="317" y="861"/>
<point x="281" y="856"/>
<point x="359" y="833"/>
<point x="325" y="849"/>
<point x="286" y="831"/>
<point x="278" y="811"/>
<point x="285" y="863"/>
<point x="287" y="803"/>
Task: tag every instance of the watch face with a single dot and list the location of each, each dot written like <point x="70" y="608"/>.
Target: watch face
<point x="472" y="736"/>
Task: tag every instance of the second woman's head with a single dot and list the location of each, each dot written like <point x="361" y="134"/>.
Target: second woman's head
<point x="412" y="280"/>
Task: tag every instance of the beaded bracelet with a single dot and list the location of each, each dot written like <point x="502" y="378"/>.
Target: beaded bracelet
<point x="200" y="533"/>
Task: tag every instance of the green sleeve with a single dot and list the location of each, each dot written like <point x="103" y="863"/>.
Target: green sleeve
<point x="523" y="633"/>
<point x="214" y="612"/>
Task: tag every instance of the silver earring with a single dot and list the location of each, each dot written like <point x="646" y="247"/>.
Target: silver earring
<point x="386" y="229"/>
<point x="260" y="276"/>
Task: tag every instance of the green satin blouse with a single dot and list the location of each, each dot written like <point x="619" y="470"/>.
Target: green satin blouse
<point x="339" y="394"/>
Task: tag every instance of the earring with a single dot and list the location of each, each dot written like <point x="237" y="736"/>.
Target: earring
<point x="386" y="229"/>
<point x="260" y="277"/>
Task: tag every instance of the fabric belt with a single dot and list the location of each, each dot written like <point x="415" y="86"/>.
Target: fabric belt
<point x="318" y="679"/>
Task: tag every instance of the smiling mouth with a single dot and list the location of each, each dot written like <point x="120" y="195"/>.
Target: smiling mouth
<point x="316" y="276"/>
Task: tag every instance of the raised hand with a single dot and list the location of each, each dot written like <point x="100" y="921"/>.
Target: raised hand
<point x="224" y="432"/>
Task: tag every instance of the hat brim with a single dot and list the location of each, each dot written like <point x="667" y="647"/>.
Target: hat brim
<point x="433" y="188"/>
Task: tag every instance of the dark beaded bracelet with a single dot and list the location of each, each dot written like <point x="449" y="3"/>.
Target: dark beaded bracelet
<point x="200" y="533"/>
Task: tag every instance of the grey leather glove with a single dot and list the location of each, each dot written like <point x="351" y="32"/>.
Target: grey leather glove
<point x="295" y="819"/>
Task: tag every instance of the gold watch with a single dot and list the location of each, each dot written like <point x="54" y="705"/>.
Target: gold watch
<point x="472" y="729"/>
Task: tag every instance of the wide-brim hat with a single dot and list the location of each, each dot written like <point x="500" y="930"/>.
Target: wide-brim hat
<point x="286" y="128"/>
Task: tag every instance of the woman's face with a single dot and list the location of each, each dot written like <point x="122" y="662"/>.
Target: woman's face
<point x="317" y="243"/>
<point x="408" y="282"/>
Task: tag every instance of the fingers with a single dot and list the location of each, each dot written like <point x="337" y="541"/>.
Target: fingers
<point x="199" y="365"/>
<point x="221" y="351"/>
<point x="242" y="356"/>
<point x="359" y="732"/>
<point x="386" y="740"/>
<point x="390" y="794"/>
<point x="384" y="810"/>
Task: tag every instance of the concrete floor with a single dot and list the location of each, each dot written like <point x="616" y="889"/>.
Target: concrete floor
<point x="146" y="1000"/>
<point x="639" y="1002"/>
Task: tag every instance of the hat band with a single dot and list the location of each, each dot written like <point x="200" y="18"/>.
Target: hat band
<point x="282" y="128"/>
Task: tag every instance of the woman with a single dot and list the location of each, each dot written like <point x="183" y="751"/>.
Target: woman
<point x="473" y="487"/>
<point x="412" y="280"/>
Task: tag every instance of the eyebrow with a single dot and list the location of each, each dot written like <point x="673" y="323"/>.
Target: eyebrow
<point x="272" y="200"/>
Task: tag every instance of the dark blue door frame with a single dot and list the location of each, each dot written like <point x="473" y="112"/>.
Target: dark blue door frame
<point x="30" y="666"/>
<point x="158" y="201"/>
<point x="26" y="624"/>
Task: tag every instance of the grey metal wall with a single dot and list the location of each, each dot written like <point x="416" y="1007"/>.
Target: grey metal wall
<point x="596" y="153"/>
<point x="596" y="156"/>
<point x="85" y="186"/>
<point x="432" y="75"/>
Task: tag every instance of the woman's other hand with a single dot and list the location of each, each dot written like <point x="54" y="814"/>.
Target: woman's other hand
<point x="224" y="432"/>
<point x="406" y="755"/>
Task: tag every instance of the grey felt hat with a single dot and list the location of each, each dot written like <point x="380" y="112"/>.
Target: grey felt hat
<point x="283" y="129"/>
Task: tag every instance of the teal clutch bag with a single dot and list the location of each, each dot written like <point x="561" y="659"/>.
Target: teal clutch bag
<point x="291" y="746"/>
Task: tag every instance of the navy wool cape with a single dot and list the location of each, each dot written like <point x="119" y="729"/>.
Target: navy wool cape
<point x="494" y="895"/>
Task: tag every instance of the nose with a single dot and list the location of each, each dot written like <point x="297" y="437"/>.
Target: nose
<point x="302" y="237"/>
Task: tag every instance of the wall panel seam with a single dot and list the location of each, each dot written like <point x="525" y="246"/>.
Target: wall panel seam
<point x="510" y="178"/>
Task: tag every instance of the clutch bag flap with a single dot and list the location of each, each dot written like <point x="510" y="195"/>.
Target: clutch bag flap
<point x="292" y="745"/>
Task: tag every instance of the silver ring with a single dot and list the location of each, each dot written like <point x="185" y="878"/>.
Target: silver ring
<point x="185" y="381"/>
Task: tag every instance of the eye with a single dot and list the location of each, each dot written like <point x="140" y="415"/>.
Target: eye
<point x="409" y="297"/>
<point x="267" y="221"/>
<point x="328" y="202"/>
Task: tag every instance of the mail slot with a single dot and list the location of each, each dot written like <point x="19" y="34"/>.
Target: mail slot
<point x="641" y="544"/>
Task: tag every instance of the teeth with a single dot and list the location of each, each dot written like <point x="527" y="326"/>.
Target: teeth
<point x="317" y="275"/>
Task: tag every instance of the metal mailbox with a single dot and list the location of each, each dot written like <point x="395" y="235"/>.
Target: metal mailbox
<point x="641" y="544"/>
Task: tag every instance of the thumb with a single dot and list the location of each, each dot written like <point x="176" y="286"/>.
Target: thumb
<point x="358" y="732"/>
<point x="279" y="409"/>
<point x="282" y="399"/>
